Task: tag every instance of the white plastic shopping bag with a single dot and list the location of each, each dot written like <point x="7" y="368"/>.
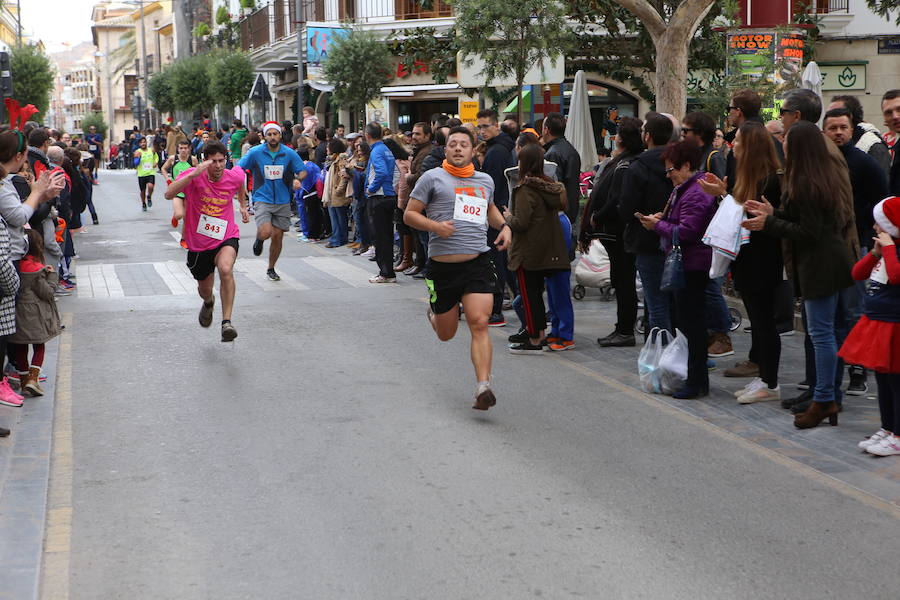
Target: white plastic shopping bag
<point x="648" y="360"/>
<point x="673" y="364"/>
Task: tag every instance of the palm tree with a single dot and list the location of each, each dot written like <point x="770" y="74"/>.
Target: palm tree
<point x="123" y="58"/>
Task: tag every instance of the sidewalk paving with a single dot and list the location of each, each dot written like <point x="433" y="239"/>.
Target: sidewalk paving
<point x="24" y="479"/>
<point x="830" y="450"/>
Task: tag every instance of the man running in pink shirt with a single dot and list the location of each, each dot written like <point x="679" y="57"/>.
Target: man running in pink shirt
<point x="210" y="230"/>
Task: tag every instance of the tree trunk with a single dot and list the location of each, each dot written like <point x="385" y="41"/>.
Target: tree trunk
<point x="519" y="103"/>
<point x="671" y="75"/>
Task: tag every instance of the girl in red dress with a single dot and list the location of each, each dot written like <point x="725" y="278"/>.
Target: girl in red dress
<point x="875" y="340"/>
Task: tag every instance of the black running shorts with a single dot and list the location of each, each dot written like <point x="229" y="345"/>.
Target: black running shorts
<point x="203" y="263"/>
<point x="449" y="282"/>
<point x="144" y="180"/>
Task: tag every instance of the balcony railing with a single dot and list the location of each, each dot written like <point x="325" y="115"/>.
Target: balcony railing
<point x="277" y="19"/>
<point x="826" y="7"/>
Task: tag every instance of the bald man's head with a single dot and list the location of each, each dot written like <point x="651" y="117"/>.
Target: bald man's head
<point x="56" y="155"/>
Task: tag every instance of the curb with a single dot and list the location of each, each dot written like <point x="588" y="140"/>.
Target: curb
<point x="24" y="483"/>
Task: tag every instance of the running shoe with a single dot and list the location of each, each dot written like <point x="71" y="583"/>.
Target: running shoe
<point x="561" y="345"/>
<point x="302" y="238"/>
<point x="272" y="275"/>
<point x="144" y="207"/>
<point x="875" y="438"/>
<point x="228" y="331"/>
<point x="206" y="313"/>
<point x="889" y="446"/>
<point x="149" y="203"/>
<point x="484" y="397"/>
<point x="257" y="247"/>
<point x="526" y="348"/>
<point x="496" y="320"/>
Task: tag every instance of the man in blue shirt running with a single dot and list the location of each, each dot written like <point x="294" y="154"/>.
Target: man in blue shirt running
<point x="277" y="171"/>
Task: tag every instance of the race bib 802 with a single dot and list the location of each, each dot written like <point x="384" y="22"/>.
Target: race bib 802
<point x="471" y="209"/>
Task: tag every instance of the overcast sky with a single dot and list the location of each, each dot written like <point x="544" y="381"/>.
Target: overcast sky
<point x="69" y="21"/>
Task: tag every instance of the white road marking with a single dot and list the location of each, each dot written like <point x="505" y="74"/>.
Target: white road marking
<point x="337" y="268"/>
<point x="255" y="270"/>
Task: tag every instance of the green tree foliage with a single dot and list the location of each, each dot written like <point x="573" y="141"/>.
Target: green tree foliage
<point x="511" y="37"/>
<point x="97" y="120"/>
<point x="191" y="84"/>
<point x="626" y="52"/>
<point x="32" y="77"/>
<point x="358" y="65"/>
<point x="232" y="77"/>
<point x="889" y="9"/>
<point x="159" y="90"/>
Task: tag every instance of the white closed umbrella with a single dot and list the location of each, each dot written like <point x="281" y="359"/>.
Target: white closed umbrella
<point x="579" y="127"/>
<point x="812" y="80"/>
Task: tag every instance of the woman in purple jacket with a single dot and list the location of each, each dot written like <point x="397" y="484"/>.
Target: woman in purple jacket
<point x="689" y="210"/>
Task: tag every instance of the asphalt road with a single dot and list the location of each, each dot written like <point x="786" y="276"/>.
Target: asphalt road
<point x="331" y="453"/>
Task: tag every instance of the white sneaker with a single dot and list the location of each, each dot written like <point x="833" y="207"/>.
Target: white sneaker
<point x="875" y="438"/>
<point x="302" y="238"/>
<point x="382" y="279"/>
<point x="762" y="394"/>
<point x="754" y="385"/>
<point x="368" y="253"/>
<point x="889" y="446"/>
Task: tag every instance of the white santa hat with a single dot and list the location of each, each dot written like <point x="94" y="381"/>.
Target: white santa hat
<point x="887" y="215"/>
<point x="270" y="125"/>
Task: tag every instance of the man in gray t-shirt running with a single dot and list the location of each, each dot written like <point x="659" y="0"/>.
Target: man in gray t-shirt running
<point x="455" y="205"/>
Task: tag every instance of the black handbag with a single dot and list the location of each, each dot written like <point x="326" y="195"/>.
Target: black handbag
<point x="673" y="269"/>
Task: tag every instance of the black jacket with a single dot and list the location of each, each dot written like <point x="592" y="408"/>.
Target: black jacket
<point x="894" y="183"/>
<point x="606" y="195"/>
<point x="759" y="265"/>
<point x="645" y="189"/>
<point x="869" y="188"/>
<point x="497" y="159"/>
<point x="568" y="172"/>
<point x="434" y="159"/>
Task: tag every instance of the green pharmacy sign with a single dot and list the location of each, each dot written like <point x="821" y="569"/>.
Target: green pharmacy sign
<point x="843" y="76"/>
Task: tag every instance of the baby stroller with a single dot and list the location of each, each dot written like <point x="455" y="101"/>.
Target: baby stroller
<point x="592" y="270"/>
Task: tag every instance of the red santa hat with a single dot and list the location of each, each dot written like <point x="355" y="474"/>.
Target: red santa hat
<point x="887" y="215"/>
<point x="270" y="125"/>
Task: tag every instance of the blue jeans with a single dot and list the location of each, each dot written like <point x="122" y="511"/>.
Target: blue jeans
<point x="658" y="302"/>
<point x="361" y="218"/>
<point x="301" y="212"/>
<point x="718" y="318"/>
<point x="559" y="298"/>
<point x="338" y="216"/>
<point x="824" y="316"/>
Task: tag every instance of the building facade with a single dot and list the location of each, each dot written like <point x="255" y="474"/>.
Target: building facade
<point x="268" y="33"/>
<point x="116" y="50"/>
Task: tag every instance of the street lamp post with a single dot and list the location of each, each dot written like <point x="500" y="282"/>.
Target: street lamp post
<point x="146" y="111"/>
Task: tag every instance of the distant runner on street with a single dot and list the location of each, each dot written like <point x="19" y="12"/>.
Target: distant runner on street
<point x="209" y="228"/>
<point x="175" y="166"/>
<point x="455" y="204"/>
<point x="277" y="170"/>
<point x="146" y="172"/>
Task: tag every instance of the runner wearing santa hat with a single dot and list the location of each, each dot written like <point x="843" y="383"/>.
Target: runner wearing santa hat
<point x="276" y="171"/>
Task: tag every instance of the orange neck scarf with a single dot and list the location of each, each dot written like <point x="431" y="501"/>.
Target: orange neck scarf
<point x="466" y="171"/>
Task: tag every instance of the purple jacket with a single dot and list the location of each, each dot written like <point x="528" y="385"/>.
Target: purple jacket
<point x="690" y="209"/>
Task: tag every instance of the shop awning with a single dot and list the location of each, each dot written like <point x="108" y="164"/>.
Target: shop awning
<point x="409" y="90"/>
<point x="513" y="105"/>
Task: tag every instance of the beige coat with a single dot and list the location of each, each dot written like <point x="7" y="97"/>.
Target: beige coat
<point x="338" y="192"/>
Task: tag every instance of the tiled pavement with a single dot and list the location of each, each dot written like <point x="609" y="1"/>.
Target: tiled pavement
<point x="830" y="450"/>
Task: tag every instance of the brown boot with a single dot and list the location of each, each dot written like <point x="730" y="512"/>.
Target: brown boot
<point x="406" y="255"/>
<point x="720" y="345"/>
<point x="34" y="382"/>
<point x="816" y="413"/>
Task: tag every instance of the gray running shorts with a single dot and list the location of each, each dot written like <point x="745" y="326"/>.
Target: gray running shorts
<point x="279" y="215"/>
